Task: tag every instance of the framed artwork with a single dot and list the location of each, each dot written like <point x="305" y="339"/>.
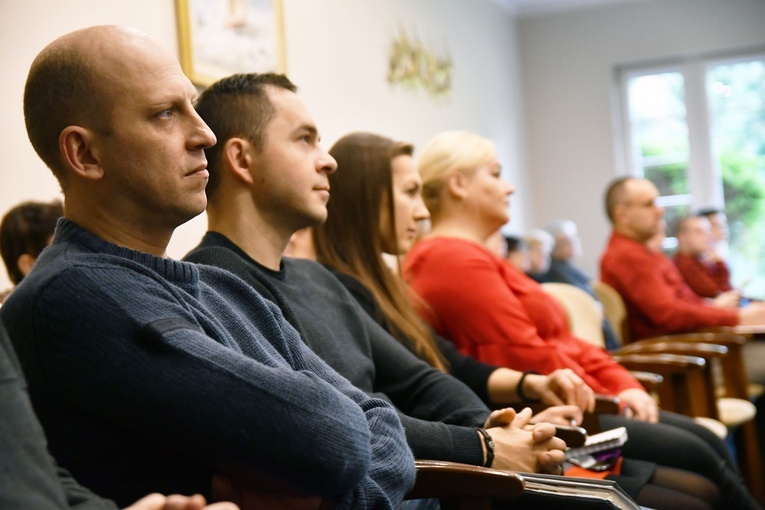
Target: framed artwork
<point x="217" y="38"/>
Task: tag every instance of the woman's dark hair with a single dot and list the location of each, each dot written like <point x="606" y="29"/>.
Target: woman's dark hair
<point x="27" y="229"/>
<point x="351" y="240"/>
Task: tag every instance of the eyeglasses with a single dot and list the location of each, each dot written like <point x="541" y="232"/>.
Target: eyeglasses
<point x="644" y="205"/>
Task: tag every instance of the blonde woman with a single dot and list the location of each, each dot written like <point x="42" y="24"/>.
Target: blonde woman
<point x="494" y="312"/>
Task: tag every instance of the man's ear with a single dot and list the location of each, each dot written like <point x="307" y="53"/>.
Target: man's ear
<point x="619" y="211"/>
<point x="237" y="154"/>
<point x="78" y="151"/>
<point x="455" y="184"/>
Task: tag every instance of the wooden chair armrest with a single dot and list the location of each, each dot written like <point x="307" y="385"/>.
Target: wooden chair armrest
<point x="453" y="483"/>
<point x="753" y="331"/>
<point x="735" y="380"/>
<point x="702" y="350"/>
<point x="726" y="339"/>
<point x="717" y="329"/>
<point x="650" y="381"/>
<point x="662" y="364"/>
<point x="688" y="387"/>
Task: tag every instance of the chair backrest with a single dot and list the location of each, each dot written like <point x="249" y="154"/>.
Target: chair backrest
<point x="615" y="309"/>
<point x="585" y="315"/>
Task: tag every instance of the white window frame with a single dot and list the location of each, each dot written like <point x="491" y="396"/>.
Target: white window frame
<point x="704" y="176"/>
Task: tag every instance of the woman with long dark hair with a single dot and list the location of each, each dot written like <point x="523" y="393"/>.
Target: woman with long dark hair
<point x="363" y="224"/>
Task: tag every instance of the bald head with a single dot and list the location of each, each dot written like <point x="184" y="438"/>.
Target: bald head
<point x="110" y="111"/>
<point x="632" y="208"/>
<point x="616" y="195"/>
<point x="71" y="82"/>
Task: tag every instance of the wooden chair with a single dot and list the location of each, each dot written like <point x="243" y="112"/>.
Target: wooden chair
<point x="732" y="390"/>
<point x="615" y="310"/>
<point x="584" y="314"/>
<point x="733" y="384"/>
<point x="585" y="320"/>
<point x="736" y="384"/>
<point x="464" y="487"/>
<point x="695" y="393"/>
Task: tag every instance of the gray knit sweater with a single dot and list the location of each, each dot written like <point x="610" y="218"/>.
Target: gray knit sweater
<point x="439" y="412"/>
<point x="150" y="374"/>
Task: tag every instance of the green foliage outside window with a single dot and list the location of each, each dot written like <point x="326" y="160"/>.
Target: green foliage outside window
<point x="743" y="185"/>
<point x="744" y="188"/>
<point x="671" y="178"/>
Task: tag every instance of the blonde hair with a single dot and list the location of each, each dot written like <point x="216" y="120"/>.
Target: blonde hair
<point x="446" y="154"/>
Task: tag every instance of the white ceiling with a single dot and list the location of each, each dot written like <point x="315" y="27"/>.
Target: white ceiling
<point x="540" y="7"/>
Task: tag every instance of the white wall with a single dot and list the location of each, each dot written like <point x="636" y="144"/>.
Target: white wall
<point x="337" y="54"/>
<point x="567" y="62"/>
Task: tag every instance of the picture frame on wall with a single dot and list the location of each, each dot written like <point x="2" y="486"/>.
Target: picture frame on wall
<point x="217" y="38"/>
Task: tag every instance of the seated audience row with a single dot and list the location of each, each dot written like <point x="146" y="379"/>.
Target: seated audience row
<point x="82" y="268"/>
<point x="254" y="209"/>
<point x="138" y="360"/>
<point x="372" y="171"/>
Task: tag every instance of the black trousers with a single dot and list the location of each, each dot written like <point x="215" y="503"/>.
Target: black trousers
<point x="679" y="442"/>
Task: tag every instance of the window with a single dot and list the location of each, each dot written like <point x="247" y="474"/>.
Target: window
<point x="696" y="129"/>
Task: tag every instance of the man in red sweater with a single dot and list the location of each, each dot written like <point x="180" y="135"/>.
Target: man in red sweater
<point x="658" y="301"/>
<point x="707" y="278"/>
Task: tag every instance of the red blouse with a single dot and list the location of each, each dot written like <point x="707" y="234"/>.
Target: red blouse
<point x="495" y="313"/>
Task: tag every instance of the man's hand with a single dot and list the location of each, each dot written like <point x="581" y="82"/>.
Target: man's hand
<point x="561" y="387"/>
<point x="640" y="405"/>
<point x="523" y="447"/>
<point x="752" y="314"/>
<point x="251" y="498"/>
<point x="175" y="502"/>
<point x="711" y="256"/>
<point x="728" y="299"/>
<point x="570" y="416"/>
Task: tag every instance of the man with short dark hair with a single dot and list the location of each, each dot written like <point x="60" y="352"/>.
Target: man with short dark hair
<point x="154" y="374"/>
<point x="272" y="183"/>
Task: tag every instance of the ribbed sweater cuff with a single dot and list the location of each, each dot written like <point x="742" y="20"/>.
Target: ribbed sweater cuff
<point x="466" y="445"/>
